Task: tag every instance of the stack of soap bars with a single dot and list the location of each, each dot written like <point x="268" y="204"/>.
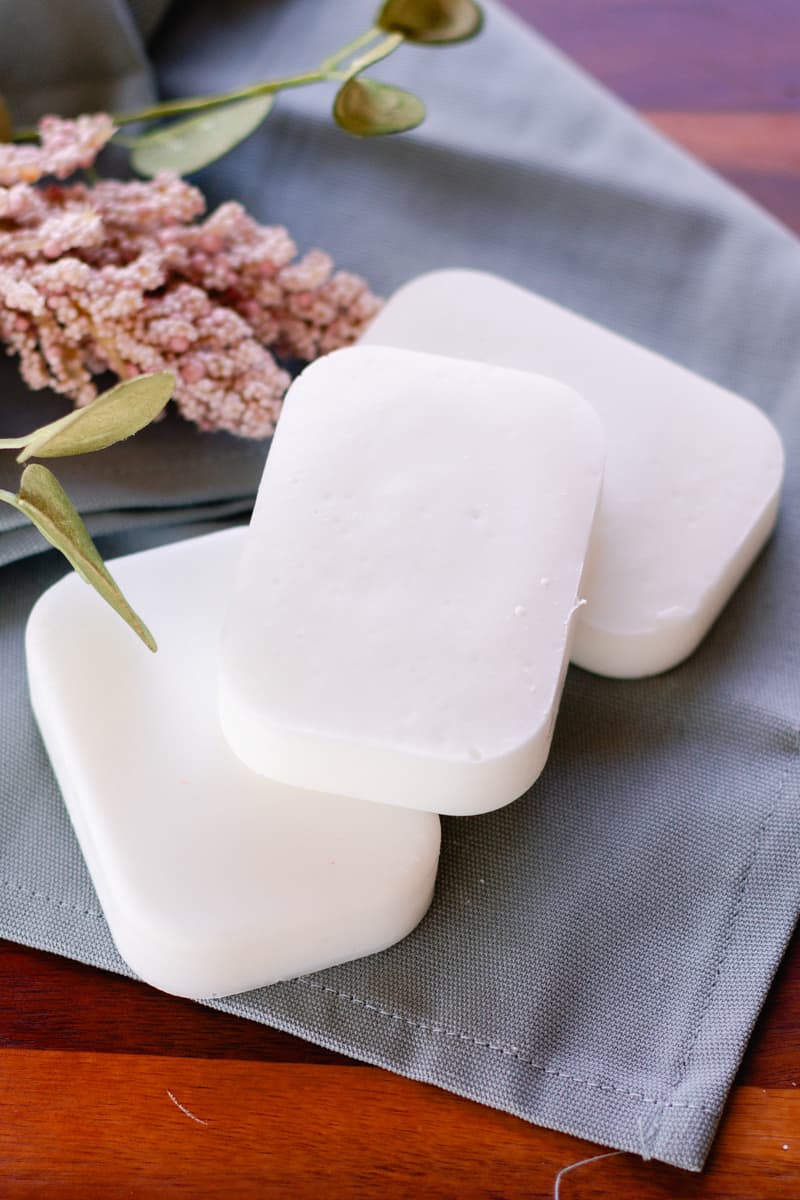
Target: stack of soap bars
<point x="488" y="487"/>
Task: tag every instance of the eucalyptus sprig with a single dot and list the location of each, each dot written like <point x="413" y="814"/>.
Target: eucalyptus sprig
<point x="210" y="126"/>
<point x="113" y="416"/>
<point x="197" y="132"/>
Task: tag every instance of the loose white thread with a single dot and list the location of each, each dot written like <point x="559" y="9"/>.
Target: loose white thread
<point x="191" y="1115"/>
<point x="573" y="1166"/>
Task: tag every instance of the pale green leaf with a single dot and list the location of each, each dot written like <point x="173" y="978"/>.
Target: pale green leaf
<point x="115" y="415"/>
<point x="6" y="124"/>
<point x="367" y="108"/>
<point x="431" y="22"/>
<point x="14" y="443"/>
<point x="186" y="146"/>
<point x="44" y="502"/>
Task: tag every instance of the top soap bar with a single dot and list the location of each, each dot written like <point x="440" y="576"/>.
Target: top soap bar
<point x="693" y="472"/>
<point x="399" y="627"/>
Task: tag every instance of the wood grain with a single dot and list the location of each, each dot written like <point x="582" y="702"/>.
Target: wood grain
<point x="754" y="141"/>
<point x="721" y="78"/>
<point x="170" y="1126"/>
<point x="110" y="1089"/>
<point x="53" y="1003"/>
<point x="697" y="55"/>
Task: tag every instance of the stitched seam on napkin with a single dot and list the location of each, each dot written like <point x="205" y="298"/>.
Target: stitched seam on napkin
<point x="597" y="1085"/>
<point x="497" y="1048"/>
<point x="11" y="886"/>
<point x="436" y="1030"/>
<point x="512" y="1051"/>
<point x="730" y="928"/>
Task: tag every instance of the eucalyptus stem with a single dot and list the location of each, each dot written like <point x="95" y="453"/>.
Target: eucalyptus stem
<point x="333" y="60"/>
<point x="384" y="48"/>
<point x="363" y="107"/>
<point x="198" y="104"/>
<point x="327" y="70"/>
<point x="171" y="108"/>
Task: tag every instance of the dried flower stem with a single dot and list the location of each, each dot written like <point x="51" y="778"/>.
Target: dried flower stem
<point x="362" y="107"/>
<point x="330" y="68"/>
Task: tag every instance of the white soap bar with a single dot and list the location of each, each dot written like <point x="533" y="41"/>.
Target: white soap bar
<point x="693" y="472"/>
<point x="400" y="624"/>
<point x="213" y="880"/>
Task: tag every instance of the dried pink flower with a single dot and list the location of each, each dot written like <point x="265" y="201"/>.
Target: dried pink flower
<point x="64" y="147"/>
<point x="122" y="276"/>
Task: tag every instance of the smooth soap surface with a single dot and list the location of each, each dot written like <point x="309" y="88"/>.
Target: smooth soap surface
<point x="693" y="472"/>
<point x="400" y="623"/>
<point x="213" y="880"/>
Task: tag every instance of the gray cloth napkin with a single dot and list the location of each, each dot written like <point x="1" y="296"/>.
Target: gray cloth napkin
<point x="597" y="952"/>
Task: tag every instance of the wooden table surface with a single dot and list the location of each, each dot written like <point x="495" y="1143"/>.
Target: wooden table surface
<point x="110" y="1089"/>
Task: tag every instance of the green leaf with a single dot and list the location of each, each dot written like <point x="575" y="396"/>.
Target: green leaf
<point x="186" y="146"/>
<point x="431" y="22"/>
<point x="115" y="415"/>
<point x="367" y="108"/>
<point x="6" y="124"/>
<point x="44" y="502"/>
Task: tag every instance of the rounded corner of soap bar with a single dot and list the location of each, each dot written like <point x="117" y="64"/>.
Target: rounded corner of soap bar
<point x="400" y="619"/>
<point x="500" y="781"/>
<point x="694" y="470"/>
<point x="468" y="786"/>
<point x="490" y="781"/>
<point x="239" y="953"/>
<point x="666" y="637"/>
<point x="212" y="880"/>
<point x="443" y="277"/>
<point x="240" y="959"/>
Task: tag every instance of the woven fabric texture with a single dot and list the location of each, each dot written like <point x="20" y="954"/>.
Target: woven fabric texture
<point x="597" y="952"/>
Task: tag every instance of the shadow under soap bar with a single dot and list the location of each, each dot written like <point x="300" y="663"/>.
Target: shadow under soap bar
<point x="213" y="880"/>
<point x="693" y="472"/>
<point x="399" y="627"/>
